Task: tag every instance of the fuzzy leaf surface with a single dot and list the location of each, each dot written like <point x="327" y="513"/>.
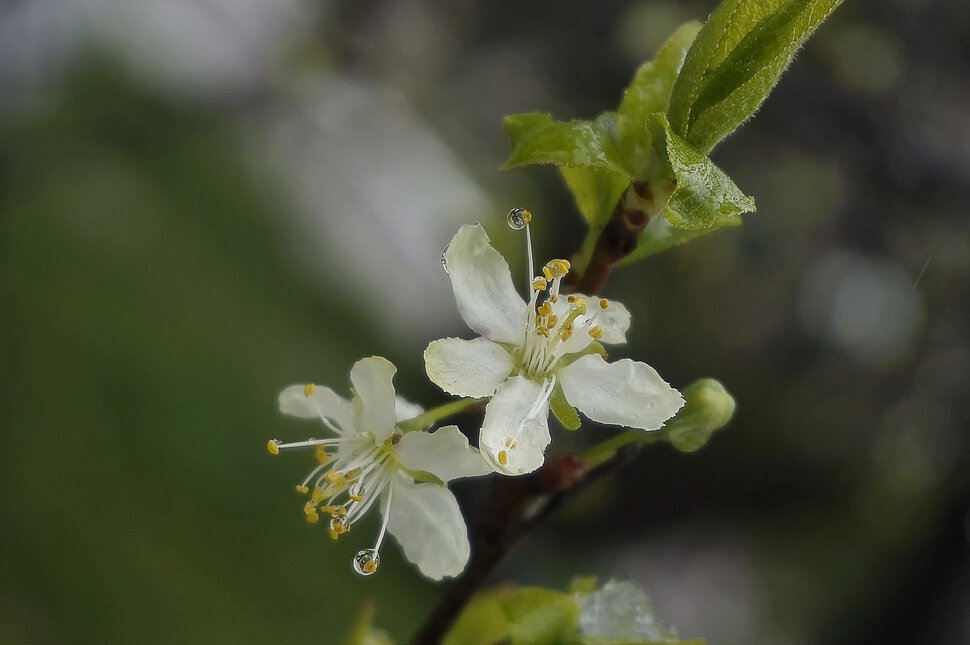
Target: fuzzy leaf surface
<point x="735" y="62"/>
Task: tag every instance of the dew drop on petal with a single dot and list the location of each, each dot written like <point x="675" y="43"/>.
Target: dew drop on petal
<point x="518" y="218"/>
<point x="366" y="562"/>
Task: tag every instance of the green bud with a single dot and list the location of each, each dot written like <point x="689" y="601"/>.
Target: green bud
<point x="709" y="407"/>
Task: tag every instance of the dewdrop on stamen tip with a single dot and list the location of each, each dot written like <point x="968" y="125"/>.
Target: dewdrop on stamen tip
<point x="518" y="219"/>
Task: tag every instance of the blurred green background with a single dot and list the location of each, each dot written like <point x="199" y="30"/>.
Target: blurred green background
<point x="203" y="201"/>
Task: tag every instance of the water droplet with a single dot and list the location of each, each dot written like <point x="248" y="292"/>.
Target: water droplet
<point x="444" y="262"/>
<point x="519" y="218"/>
<point x="366" y="562"/>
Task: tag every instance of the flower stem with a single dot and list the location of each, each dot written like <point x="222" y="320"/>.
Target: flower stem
<point x="432" y="416"/>
<point x="605" y="451"/>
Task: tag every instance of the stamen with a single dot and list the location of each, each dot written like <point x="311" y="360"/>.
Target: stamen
<point x="518" y="219"/>
<point x="503" y="458"/>
<point x="321" y="455"/>
<point x="308" y="389"/>
<point x="604" y="303"/>
<point x="596" y="332"/>
<point x="539" y="284"/>
<point x="335" y="477"/>
<point x="273" y="446"/>
<point x="338" y="526"/>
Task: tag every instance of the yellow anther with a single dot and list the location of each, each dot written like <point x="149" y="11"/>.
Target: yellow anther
<point x="335" y="477"/>
<point x="604" y="303"/>
<point x="545" y="309"/>
<point x="553" y="298"/>
<point x="312" y="518"/>
<point x="565" y="333"/>
<point x="552" y="321"/>
<point x="357" y="498"/>
<point x="338" y="526"/>
<point x="596" y="332"/>
<point x="555" y="269"/>
<point x="302" y="490"/>
<point x="318" y="495"/>
<point x="539" y="284"/>
<point x="503" y="457"/>
<point x="309" y="508"/>
<point x="273" y="447"/>
<point x="321" y="455"/>
<point x="542" y="331"/>
<point x="335" y="511"/>
<point x="371" y="565"/>
<point x="308" y="389"/>
<point x="579" y="304"/>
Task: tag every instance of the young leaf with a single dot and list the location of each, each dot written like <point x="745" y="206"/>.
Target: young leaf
<point x="649" y="92"/>
<point x="538" y="138"/>
<point x="704" y="198"/>
<point x="482" y="622"/>
<point x="734" y="63"/>
<point x="520" y="616"/>
<point x="595" y="191"/>
<point x="538" y="616"/>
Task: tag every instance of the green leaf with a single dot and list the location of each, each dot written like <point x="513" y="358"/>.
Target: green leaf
<point x="482" y="622"/>
<point x="520" y="616"/>
<point x="588" y="640"/>
<point x="538" y="616"/>
<point x="539" y="139"/>
<point x="704" y="198"/>
<point x="649" y="92"/>
<point x="564" y="413"/>
<point x="660" y="235"/>
<point x="596" y="191"/>
<point x="709" y="407"/>
<point x="735" y="61"/>
<point x="362" y="632"/>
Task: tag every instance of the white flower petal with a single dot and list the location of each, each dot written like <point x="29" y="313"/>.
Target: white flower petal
<point x="516" y="426"/>
<point x="483" y="287"/>
<point x="472" y="368"/>
<point x="372" y="378"/>
<point x="614" y="322"/>
<point x="444" y="453"/>
<point x="322" y="402"/>
<point x="626" y="393"/>
<point x="427" y="523"/>
<point x="405" y="410"/>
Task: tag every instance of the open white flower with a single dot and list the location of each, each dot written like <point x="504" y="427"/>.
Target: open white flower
<point x="372" y="462"/>
<point x="529" y="352"/>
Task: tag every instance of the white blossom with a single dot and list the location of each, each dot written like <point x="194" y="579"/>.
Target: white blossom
<point x="369" y="461"/>
<point x="531" y="351"/>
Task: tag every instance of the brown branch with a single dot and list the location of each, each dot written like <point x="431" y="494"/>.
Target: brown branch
<point x="639" y="203"/>
<point x="514" y="508"/>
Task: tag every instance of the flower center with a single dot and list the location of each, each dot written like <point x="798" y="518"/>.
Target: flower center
<point x="552" y="324"/>
<point x="345" y="486"/>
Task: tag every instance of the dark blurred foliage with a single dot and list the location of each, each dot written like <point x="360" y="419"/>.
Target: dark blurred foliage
<point x="151" y="309"/>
